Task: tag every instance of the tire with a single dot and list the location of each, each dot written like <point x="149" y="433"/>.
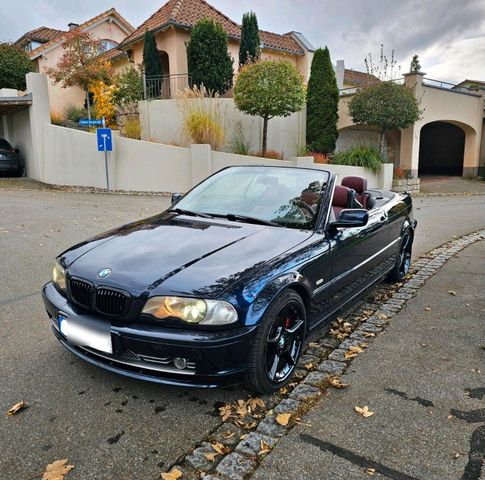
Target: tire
<point x="403" y="260"/>
<point x="278" y="344"/>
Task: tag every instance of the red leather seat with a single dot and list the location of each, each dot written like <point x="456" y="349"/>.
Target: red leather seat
<point x="358" y="184"/>
<point x="340" y="199"/>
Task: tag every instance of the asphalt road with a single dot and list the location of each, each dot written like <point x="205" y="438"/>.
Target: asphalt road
<point x="108" y="426"/>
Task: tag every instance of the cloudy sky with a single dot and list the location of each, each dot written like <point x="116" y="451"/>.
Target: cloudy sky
<point x="448" y="35"/>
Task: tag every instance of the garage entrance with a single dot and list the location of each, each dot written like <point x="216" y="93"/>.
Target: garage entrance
<point x="441" y="149"/>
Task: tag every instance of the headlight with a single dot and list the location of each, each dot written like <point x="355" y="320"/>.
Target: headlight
<point x="191" y="310"/>
<point x="59" y="276"/>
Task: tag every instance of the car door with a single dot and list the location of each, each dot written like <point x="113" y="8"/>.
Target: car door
<point x="356" y="256"/>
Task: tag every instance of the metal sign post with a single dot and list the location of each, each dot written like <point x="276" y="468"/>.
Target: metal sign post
<point x="105" y="144"/>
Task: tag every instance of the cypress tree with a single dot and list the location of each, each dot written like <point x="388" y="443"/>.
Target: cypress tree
<point x="208" y="59"/>
<point x="151" y="56"/>
<point x="322" y="104"/>
<point x="249" y="48"/>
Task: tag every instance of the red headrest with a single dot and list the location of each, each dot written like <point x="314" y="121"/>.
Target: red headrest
<point x="358" y="184"/>
<point x="340" y="196"/>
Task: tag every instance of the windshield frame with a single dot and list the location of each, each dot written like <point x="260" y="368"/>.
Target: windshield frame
<point x="320" y="214"/>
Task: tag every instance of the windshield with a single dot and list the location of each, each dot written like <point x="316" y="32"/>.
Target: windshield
<point x="286" y="196"/>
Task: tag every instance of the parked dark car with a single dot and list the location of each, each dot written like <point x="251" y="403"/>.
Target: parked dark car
<point x="11" y="163"/>
<point x="229" y="281"/>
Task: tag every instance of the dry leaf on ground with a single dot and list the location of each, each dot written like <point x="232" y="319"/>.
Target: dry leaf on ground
<point x="313" y="345"/>
<point x="336" y="382"/>
<point x="225" y="412"/>
<point x="283" y="419"/>
<point x="309" y="366"/>
<point x="370" y="471"/>
<point x="254" y="403"/>
<point x="428" y="309"/>
<point x="16" y="408"/>
<point x="452" y="292"/>
<point x="174" y="474"/>
<point x="265" y="448"/>
<point x="369" y="334"/>
<point x="211" y="456"/>
<point x="220" y="448"/>
<point x="364" y="411"/>
<point x="56" y="470"/>
<point x="381" y="316"/>
<point x="353" y="351"/>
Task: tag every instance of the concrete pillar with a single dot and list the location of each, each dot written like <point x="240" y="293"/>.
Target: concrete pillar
<point x="39" y="116"/>
<point x="201" y="161"/>
<point x="409" y="151"/>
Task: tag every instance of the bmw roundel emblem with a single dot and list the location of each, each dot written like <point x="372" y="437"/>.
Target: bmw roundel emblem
<point x="106" y="272"/>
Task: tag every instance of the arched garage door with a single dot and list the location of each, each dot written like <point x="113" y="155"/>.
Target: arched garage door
<point x="441" y="149"/>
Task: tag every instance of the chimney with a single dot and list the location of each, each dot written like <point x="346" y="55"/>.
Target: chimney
<point x="339" y="73"/>
<point x="72" y="26"/>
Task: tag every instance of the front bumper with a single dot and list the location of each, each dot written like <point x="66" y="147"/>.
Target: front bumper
<point x="139" y="351"/>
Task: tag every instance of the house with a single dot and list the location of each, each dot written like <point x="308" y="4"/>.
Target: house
<point x="172" y="24"/>
<point x="44" y="47"/>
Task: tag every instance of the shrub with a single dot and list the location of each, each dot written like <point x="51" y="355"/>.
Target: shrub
<point x="57" y="118"/>
<point x="275" y="155"/>
<point x="239" y="143"/>
<point x="360" y="156"/>
<point x="129" y="87"/>
<point x="104" y="101"/>
<point x="74" y="113"/>
<point x="202" y="117"/>
<point x="132" y="128"/>
<point x="14" y="65"/>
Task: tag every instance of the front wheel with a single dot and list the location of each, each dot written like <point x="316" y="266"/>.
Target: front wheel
<point x="278" y="344"/>
<point x="403" y="260"/>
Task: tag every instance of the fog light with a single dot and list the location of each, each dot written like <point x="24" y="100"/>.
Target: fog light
<point x="180" y="363"/>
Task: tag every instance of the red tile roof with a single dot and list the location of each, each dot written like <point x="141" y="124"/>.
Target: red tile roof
<point x="112" y="55"/>
<point x="359" y="79"/>
<point x="56" y="40"/>
<point x="41" y="35"/>
<point x="186" y="13"/>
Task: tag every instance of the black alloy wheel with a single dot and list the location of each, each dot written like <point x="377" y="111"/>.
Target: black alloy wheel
<point x="403" y="260"/>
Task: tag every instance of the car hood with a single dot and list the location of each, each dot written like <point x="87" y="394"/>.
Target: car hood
<point x="177" y="254"/>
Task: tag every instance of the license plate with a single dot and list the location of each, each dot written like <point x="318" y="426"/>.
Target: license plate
<point x="85" y="334"/>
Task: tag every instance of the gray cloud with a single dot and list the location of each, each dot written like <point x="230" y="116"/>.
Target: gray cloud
<point x="350" y="28"/>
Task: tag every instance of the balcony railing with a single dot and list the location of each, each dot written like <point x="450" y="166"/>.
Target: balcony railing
<point x="164" y="86"/>
<point x="430" y="82"/>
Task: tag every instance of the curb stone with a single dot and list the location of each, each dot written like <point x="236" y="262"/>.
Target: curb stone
<point x="241" y="463"/>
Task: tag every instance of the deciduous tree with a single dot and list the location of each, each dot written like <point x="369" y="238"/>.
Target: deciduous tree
<point x="14" y="65"/>
<point x="269" y="88"/>
<point x="387" y="106"/>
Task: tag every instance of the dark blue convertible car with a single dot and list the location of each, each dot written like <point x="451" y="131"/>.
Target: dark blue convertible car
<point x="228" y="282"/>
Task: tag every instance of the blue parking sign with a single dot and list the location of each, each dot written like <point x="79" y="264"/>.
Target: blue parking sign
<point x="105" y="139"/>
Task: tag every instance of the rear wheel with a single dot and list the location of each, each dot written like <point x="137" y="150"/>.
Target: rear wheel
<point x="278" y="344"/>
<point x="403" y="260"/>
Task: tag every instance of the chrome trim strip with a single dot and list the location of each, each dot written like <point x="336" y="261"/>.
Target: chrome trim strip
<point x="319" y="289"/>
<point x="331" y="201"/>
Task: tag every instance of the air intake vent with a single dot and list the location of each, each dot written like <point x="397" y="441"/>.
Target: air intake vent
<point x="203" y="224"/>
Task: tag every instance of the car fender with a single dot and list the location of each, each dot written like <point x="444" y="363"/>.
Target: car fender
<point x="272" y="289"/>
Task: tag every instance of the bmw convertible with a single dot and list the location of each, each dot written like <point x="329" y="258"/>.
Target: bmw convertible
<point x="226" y="284"/>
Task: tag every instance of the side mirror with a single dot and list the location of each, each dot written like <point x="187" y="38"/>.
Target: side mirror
<point x="351" y="218"/>
<point x="176" y="197"/>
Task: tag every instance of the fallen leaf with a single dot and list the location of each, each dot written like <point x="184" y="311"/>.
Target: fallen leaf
<point x="56" y="470"/>
<point x="313" y="345"/>
<point x="225" y="412"/>
<point x="428" y="309"/>
<point x="364" y="411"/>
<point x="283" y="419"/>
<point x="382" y="316"/>
<point x="211" y="456"/>
<point x="353" y="351"/>
<point x="336" y="382"/>
<point x="255" y="403"/>
<point x="220" y="448"/>
<point x="265" y="448"/>
<point x="369" y="334"/>
<point x="228" y="434"/>
<point x="241" y="409"/>
<point x="370" y="471"/>
<point x="457" y="455"/>
<point x="17" y="407"/>
<point x="452" y="292"/>
<point x="309" y="366"/>
<point x="174" y="474"/>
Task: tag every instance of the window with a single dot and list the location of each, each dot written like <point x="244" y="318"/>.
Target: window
<point x="105" y="45"/>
